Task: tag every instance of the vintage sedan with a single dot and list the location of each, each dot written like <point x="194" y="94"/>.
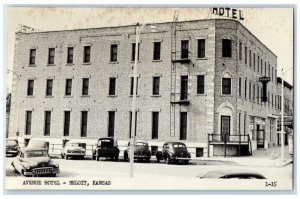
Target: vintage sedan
<point x="232" y="174"/>
<point x="73" y="149"/>
<point x="174" y="152"/>
<point x="35" y="162"/>
<point x="106" y="147"/>
<point x="141" y="151"/>
<point x="12" y="147"/>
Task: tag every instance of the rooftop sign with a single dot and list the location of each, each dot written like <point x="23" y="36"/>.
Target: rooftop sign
<point x="229" y="12"/>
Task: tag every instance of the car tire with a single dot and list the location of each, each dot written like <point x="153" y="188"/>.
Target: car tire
<point x="66" y="157"/>
<point x="147" y="159"/>
<point x="94" y="157"/>
<point x="62" y="156"/>
<point x="97" y="158"/>
<point x="186" y="162"/>
<point x="158" y="160"/>
<point x="125" y="156"/>
<point x="116" y="158"/>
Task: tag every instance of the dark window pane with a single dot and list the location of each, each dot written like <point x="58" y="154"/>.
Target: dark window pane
<point x="51" y="55"/>
<point x="226" y="48"/>
<point x="226" y="86"/>
<point x="130" y="123"/>
<point x="156" y="82"/>
<point x="30" y="87"/>
<point x="246" y="55"/>
<point x="85" y="86"/>
<point x="200" y="84"/>
<point x="183" y="126"/>
<point x="111" y="124"/>
<point x="112" y="86"/>
<point x="68" y="86"/>
<point x="49" y="87"/>
<point x="67" y="123"/>
<point x="84" y="117"/>
<point x="240" y="86"/>
<point x="184" y="88"/>
<point x="184" y="49"/>
<point x="87" y="54"/>
<point x="245" y="88"/>
<point x="32" y="56"/>
<point x="28" y="122"/>
<point x="133" y="52"/>
<point x="47" y="123"/>
<point x="70" y="55"/>
<point x="131" y="86"/>
<point x="155" y="119"/>
<point x="240" y="51"/>
<point x="156" y="53"/>
<point x="201" y="48"/>
<point x="114" y="53"/>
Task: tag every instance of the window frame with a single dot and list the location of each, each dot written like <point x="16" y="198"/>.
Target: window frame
<point x="201" y="48"/>
<point x="227" y="48"/>
<point x="156" y="51"/>
<point x="230" y="87"/>
<point x="49" y="87"/>
<point x="85" y="87"/>
<point x="51" y="56"/>
<point x="87" y="54"/>
<point x="32" y="56"/>
<point x="114" y="53"/>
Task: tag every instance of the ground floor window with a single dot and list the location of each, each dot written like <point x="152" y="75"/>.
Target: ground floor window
<point x="199" y="152"/>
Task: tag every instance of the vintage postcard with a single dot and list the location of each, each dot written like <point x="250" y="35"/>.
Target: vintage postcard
<point x="149" y="98"/>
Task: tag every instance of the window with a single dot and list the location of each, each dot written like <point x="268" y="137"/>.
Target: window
<point x="112" y="86"/>
<point x="272" y="100"/>
<point x="130" y="123"/>
<point x="32" y="55"/>
<point x="225" y="125"/>
<point x="85" y="86"/>
<point x="226" y="48"/>
<point x="68" y="90"/>
<point x="156" y="83"/>
<point x="272" y="74"/>
<point x="86" y="54"/>
<point x="133" y="52"/>
<point x="183" y="125"/>
<point x="49" y="87"/>
<point x="257" y="63"/>
<point x="201" y="48"/>
<point x="200" y="84"/>
<point x="114" y="53"/>
<point x="245" y="87"/>
<point x="240" y="86"/>
<point x="269" y="70"/>
<point x="47" y="123"/>
<point x="240" y="50"/>
<point x="155" y="119"/>
<point x="265" y="68"/>
<point x="28" y="122"/>
<point x="67" y="115"/>
<point x="250" y="87"/>
<point x="111" y="123"/>
<point x="261" y="66"/>
<point x="84" y="117"/>
<point x="30" y="87"/>
<point x="184" y="49"/>
<point x="199" y="152"/>
<point x="250" y="58"/>
<point x="156" y="50"/>
<point x="253" y="92"/>
<point x="253" y="61"/>
<point x="246" y="53"/>
<point x="51" y="55"/>
<point x="131" y="85"/>
<point x="70" y="55"/>
<point x="258" y="97"/>
<point x="184" y="88"/>
<point x="226" y="86"/>
<point x="275" y="76"/>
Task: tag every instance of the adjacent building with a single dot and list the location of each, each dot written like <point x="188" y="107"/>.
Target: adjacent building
<point x="198" y="82"/>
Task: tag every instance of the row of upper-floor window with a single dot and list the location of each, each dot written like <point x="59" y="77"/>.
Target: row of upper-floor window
<point x="114" y="52"/>
<point x="110" y="123"/>
<point x="254" y="92"/>
<point x="113" y="84"/>
<point x="256" y="62"/>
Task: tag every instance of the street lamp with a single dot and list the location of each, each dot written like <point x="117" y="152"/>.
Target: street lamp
<point x="18" y="91"/>
<point x="282" y="110"/>
<point x="138" y="31"/>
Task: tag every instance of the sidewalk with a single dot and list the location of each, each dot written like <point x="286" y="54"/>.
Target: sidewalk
<point x="262" y="157"/>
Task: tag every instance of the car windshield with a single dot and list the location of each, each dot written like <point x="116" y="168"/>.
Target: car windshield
<point x="179" y="146"/>
<point x="33" y="154"/>
<point x="11" y="142"/>
<point x="105" y="143"/>
<point x="74" y="144"/>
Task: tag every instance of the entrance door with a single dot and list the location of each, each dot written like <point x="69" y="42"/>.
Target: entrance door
<point x="225" y="127"/>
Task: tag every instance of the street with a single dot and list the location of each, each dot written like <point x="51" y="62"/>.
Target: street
<point x="74" y="168"/>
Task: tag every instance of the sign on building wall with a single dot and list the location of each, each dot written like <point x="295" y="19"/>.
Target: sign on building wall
<point x="229" y="12"/>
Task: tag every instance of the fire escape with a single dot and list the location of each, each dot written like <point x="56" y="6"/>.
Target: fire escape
<point x="181" y="57"/>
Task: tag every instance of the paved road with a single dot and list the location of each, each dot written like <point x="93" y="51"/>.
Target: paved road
<point x="105" y="168"/>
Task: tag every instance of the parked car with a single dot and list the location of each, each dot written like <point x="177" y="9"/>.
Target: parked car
<point x="173" y="152"/>
<point x="12" y="147"/>
<point x="73" y="149"/>
<point x="141" y="151"/>
<point x="106" y="147"/>
<point x="232" y="174"/>
<point x="34" y="162"/>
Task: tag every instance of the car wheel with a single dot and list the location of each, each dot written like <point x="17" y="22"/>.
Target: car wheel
<point x="94" y="157"/>
<point x="116" y="158"/>
<point x="97" y="158"/>
<point x="66" y="157"/>
<point x="158" y="160"/>
<point x="147" y="159"/>
<point x="125" y="156"/>
<point x="186" y="162"/>
<point x="62" y="156"/>
<point x="168" y="161"/>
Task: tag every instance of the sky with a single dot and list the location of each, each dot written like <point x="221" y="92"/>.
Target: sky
<point x="272" y="26"/>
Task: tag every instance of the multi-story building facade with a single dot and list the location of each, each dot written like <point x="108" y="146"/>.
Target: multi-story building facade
<point x="195" y="78"/>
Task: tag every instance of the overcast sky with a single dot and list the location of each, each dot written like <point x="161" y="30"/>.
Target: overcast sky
<point x="272" y="26"/>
